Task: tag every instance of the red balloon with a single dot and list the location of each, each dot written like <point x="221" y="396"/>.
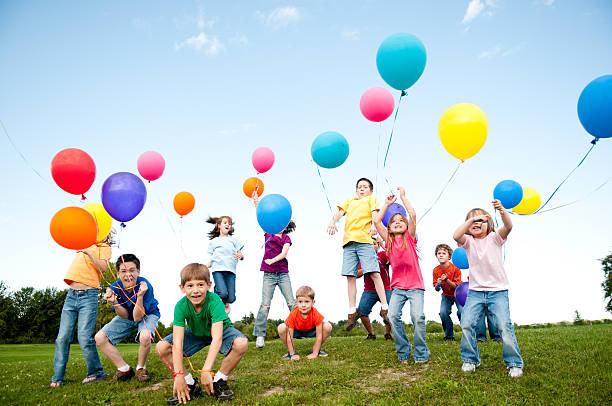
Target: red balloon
<point x="73" y="170"/>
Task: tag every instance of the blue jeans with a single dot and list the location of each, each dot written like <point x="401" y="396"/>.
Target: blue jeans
<point x="270" y="281"/>
<point x="368" y="300"/>
<point x="225" y="286"/>
<point x="481" y="328"/>
<point x="402" y="345"/>
<point x="193" y="343"/>
<point x="446" y="306"/>
<point x="497" y="304"/>
<point x="80" y="306"/>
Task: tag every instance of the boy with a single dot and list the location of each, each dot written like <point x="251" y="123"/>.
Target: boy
<point x="304" y="321"/>
<point x="357" y="246"/>
<point x="132" y="299"/>
<point x="447" y="277"/>
<point x="208" y="325"/>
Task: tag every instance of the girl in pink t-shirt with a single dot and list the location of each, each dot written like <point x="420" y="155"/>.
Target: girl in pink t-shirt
<point x="406" y="279"/>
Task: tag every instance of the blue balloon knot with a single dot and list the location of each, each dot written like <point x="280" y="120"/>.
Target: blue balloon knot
<point x="595" y="140"/>
<point x="404" y="93"/>
<point x="122" y="225"/>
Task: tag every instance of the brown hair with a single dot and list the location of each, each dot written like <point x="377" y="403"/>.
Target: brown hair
<point x="193" y="272"/>
<point x="217" y="221"/>
<point x="444" y="247"/>
<point x="479" y="212"/>
<point x="290" y="227"/>
<point x="391" y="236"/>
<point x="305" y="291"/>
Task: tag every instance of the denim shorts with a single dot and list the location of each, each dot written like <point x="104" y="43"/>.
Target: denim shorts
<point x="193" y="344"/>
<point x="297" y="334"/>
<point x="119" y="328"/>
<point x="358" y="252"/>
<point x="368" y="300"/>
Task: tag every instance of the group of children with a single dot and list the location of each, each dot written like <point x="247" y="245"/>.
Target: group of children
<point x="201" y="316"/>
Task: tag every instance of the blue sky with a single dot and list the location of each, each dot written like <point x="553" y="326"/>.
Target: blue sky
<point x="205" y="83"/>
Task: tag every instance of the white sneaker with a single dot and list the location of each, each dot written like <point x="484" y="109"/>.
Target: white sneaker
<point x="515" y="372"/>
<point x="468" y="367"/>
<point x="259" y="343"/>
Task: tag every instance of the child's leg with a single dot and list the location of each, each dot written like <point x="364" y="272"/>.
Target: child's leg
<point x="380" y="289"/>
<point x="114" y="332"/>
<point x="282" y="333"/>
<point x="351" y="284"/>
<point x="230" y="283"/>
<point x="284" y="283"/>
<point x="470" y="317"/>
<point x="350" y="265"/>
<point x="369" y="263"/>
<point x="402" y="346"/>
<point x="146" y="332"/>
<point x="239" y="347"/>
<point x="446" y="304"/>
<point x="367" y="301"/>
<point x="64" y="337"/>
<point x="267" y="293"/>
<point x="365" y="320"/>
<point x="88" y="311"/>
<point x="164" y="350"/>
<point x="220" y="287"/>
<point x="327" y="329"/>
<point x="459" y="310"/>
<point x="481" y="328"/>
<point x="500" y="310"/>
<point x="494" y="331"/>
<point x="416" y="297"/>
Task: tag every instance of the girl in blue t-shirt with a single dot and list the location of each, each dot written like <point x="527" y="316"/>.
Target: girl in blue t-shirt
<point x="225" y="250"/>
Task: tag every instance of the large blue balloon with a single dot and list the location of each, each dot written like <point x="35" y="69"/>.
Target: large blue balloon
<point x="461" y="293"/>
<point x="273" y="213"/>
<point x="392" y="210"/>
<point x="330" y="149"/>
<point x="123" y="196"/>
<point x="459" y="259"/>
<point x="401" y="60"/>
<point x="509" y="193"/>
<point x="595" y="107"/>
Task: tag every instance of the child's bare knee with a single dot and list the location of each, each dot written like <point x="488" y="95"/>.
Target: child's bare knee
<point x="282" y="328"/>
<point x="100" y="338"/>
<point x="327" y="327"/>
<point x="144" y="338"/>
<point x="240" y="345"/>
<point x="163" y="348"/>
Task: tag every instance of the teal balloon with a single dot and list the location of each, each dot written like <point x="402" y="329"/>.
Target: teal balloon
<point x="329" y="150"/>
<point x="595" y="107"/>
<point x="401" y="60"/>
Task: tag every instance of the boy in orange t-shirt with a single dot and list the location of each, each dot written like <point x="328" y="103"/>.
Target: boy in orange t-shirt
<point x="304" y="321"/>
<point x="447" y="277"/>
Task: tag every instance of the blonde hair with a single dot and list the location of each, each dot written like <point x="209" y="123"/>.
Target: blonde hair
<point x="305" y="291"/>
<point x="391" y="236"/>
<point x="479" y="212"/>
<point x="193" y="272"/>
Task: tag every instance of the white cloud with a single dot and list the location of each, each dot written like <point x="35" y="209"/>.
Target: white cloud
<point x="490" y="53"/>
<point x="239" y="39"/>
<point x="211" y="46"/>
<point x="353" y="35"/>
<point x="280" y="17"/>
<point x="474" y="9"/>
<point x="202" y="23"/>
<point x="512" y="50"/>
<point x="548" y="2"/>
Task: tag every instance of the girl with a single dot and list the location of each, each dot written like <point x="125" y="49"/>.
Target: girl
<point x="406" y="279"/>
<point x="276" y="273"/>
<point x="225" y="251"/>
<point x="488" y="287"/>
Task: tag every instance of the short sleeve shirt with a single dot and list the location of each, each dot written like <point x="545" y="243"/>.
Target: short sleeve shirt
<point x="127" y="299"/>
<point x="486" y="264"/>
<point x="405" y="264"/>
<point x="222" y="251"/>
<point x="358" y="219"/>
<point x="297" y="322"/>
<point x="82" y="270"/>
<point x="200" y="323"/>
<point x="274" y="246"/>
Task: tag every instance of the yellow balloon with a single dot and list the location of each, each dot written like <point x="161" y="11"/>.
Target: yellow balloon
<point x="103" y="219"/>
<point x="530" y="203"/>
<point x="463" y="130"/>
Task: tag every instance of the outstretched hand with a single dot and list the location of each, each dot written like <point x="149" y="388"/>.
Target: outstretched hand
<point x="498" y="206"/>
<point x="332" y="229"/>
<point x="390" y="200"/>
<point x="402" y="191"/>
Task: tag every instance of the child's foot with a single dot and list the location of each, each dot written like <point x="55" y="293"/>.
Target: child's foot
<point x="222" y="391"/>
<point x="515" y="372"/>
<point x="388" y="337"/>
<point x="351" y="321"/>
<point x="469" y="367"/>
<point x="194" y="392"/>
<point x="142" y="375"/>
<point x="91" y="379"/>
<point x="404" y="362"/>
<point x="384" y="314"/>
<point x="228" y="309"/>
<point x="286" y="355"/>
<point x="121" y="376"/>
<point x="259" y="342"/>
<point x="322" y="353"/>
<point x="55" y="384"/>
<point x="371" y="337"/>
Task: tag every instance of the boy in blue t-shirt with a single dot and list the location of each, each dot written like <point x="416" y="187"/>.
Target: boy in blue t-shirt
<point x="136" y="307"/>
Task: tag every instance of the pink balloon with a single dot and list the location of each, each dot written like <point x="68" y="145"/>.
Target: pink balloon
<point x="376" y="104"/>
<point x="151" y="165"/>
<point x="263" y="159"/>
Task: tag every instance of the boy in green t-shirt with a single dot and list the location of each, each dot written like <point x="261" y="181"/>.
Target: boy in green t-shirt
<point x="207" y="325"/>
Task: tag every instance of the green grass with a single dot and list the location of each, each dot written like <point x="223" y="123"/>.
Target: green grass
<point x="563" y="365"/>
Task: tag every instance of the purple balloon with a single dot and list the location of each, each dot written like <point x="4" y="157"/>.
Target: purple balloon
<point x="392" y="210"/>
<point x="461" y="293"/>
<point x="123" y="196"/>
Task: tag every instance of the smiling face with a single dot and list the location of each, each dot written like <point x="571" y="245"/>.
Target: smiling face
<point x="363" y="189"/>
<point x="225" y="226"/>
<point x="127" y="273"/>
<point x="398" y="224"/>
<point x="304" y="304"/>
<point x="195" y="290"/>
<point x="482" y="226"/>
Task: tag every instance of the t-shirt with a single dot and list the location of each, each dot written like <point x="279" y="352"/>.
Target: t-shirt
<point x="199" y="324"/>
<point x="453" y="274"/>
<point x="358" y="219"/>
<point x="405" y="264"/>
<point x="297" y="322"/>
<point x="383" y="264"/>
<point x="486" y="264"/>
<point x="274" y="246"/>
<point x="82" y="270"/>
<point x="222" y="250"/>
<point x="149" y="303"/>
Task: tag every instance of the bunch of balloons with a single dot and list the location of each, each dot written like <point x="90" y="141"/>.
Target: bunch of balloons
<point x="262" y="160"/>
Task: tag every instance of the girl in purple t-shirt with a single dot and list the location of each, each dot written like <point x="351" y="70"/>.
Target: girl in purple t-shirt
<point x="276" y="273"/>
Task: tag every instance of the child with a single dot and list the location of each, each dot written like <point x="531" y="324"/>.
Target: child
<point x="406" y="281"/>
<point x="488" y="287"/>
<point x="481" y="329"/>
<point x="357" y="246"/>
<point x="207" y="325"/>
<point x="225" y="251"/>
<point x="81" y="305"/>
<point x="447" y="277"/>
<point x="304" y="321"/>
<point x="276" y="273"/>
<point x="136" y="307"/>
<point x="369" y="297"/>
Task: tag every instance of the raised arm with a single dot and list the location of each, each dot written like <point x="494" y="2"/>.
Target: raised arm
<point x="331" y="228"/>
<point x="507" y="227"/>
<point x="380" y="227"/>
<point x="410" y="211"/>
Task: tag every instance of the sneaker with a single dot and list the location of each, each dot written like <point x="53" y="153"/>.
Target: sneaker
<point x="388" y="337"/>
<point x="468" y="367"/>
<point x="371" y="337"/>
<point x="351" y="321"/>
<point x="222" y="391"/>
<point x="383" y="314"/>
<point x="515" y="372"/>
<point x="259" y="342"/>
<point x="194" y="392"/>
<point x="322" y="353"/>
<point x="142" y="375"/>
<point x="121" y="376"/>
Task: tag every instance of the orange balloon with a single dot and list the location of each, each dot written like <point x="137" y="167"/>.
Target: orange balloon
<point x="74" y="228"/>
<point x="184" y="202"/>
<point x="251" y="185"/>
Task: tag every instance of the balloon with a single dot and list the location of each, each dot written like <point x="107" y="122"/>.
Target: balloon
<point x="123" y="196"/>
<point x="459" y="259"/>
<point x="509" y="193"/>
<point x="251" y="185"/>
<point x="461" y="293"/>
<point x="73" y="170"/>
<point x="184" y="202"/>
<point x="273" y="213"/>
<point x="330" y="149"/>
<point x="401" y="60"/>
<point x="391" y="211"/>
<point x="530" y="202"/>
<point x="595" y="107"/>
<point x="151" y="165"/>
<point x="463" y="130"/>
<point x="102" y="218"/>
<point x="73" y="228"/>
<point x="263" y="159"/>
<point x="376" y="104"/>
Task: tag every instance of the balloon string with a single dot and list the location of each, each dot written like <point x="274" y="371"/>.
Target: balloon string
<point x="20" y="154"/>
<point x="324" y="190"/>
<point x="402" y="94"/>
<point x="441" y="192"/>
<point x="378" y="153"/>
<point x="176" y="237"/>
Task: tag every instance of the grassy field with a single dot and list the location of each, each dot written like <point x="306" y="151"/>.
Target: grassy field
<point x="563" y="365"/>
